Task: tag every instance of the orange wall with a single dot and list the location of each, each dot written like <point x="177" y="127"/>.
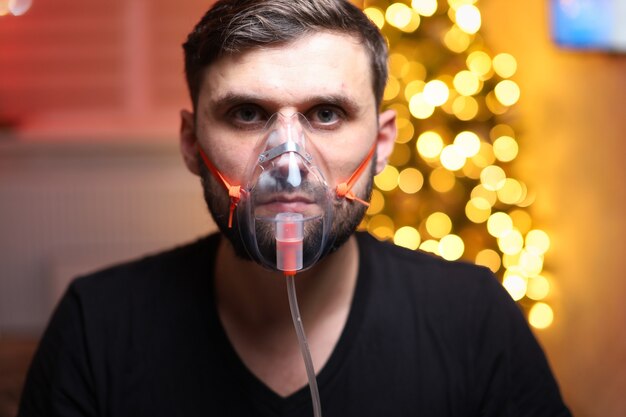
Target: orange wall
<point x="573" y="149"/>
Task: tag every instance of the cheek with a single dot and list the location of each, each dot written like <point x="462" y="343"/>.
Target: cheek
<point x="228" y="157"/>
<point x="343" y="160"/>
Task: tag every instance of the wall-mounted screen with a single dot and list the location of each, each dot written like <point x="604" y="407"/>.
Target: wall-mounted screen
<point x="589" y="24"/>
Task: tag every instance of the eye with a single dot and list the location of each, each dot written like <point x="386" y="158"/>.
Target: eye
<point x="326" y="117"/>
<point x="248" y="116"/>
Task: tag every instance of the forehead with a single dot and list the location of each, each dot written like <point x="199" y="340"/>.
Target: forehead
<point x="321" y="64"/>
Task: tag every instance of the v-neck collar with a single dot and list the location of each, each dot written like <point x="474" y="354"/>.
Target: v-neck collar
<point x="261" y="394"/>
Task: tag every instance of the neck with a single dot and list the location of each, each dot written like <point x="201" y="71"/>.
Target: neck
<point x="247" y="292"/>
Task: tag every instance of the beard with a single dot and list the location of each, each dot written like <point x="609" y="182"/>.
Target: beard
<point x="346" y="216"/>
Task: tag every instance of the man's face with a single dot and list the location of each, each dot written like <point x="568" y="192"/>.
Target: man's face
<point x="324" y="76"/>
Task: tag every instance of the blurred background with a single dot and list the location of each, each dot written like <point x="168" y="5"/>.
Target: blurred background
<point x="90" y="172"/>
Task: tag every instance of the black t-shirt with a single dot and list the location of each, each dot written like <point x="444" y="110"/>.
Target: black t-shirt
<point x="424" y="337"/>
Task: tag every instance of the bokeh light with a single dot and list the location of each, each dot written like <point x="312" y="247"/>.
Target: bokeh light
<point x="540" y="316"/>
<point x="387" y="180"/>
<point x="407" y="237"/>
<point x="511" y="192"/>
<point x="392" y="89"/>
<point x="457" y="40"/>
<point x="441" y="180"/>
<point x="507" y="92"/>
<point x="419" y="107"/>
<point x="431" y="246"/>
<point x="504" y="65"/>
<point x="467" y="83"/>
<point x="376" y="15"/>
<point x="438" y="224"/>
<point x="511" y="242"/>
<point x="410" y="180"/>
<point x="429" y="144"/>
<point x="381" y="226"/>
<point x="538" y="288"/>
<point x="377" y="203"/>
<point x="451" y="180"/>
<point x="479" y="62"/>
<point x="505" y="148"/>
<point x="515" y="285"/>
<point x="478" y="210"/>
<point x="467" y="143"/>
<point x="451" y="247"/>
<point x="406" y="130"/>
<point x="452" y="158"/>
<point x="489" y="258"/>
<point x="424" y="7"/>
<point x="499" y="223"/>
<point x="468" y="18"/>
<point x="398" y="15"/>
<point x="538" y="241"/>
<point x="492" y="177"/>
<point x="436" y="92"/>
<point x="465" y="108"/>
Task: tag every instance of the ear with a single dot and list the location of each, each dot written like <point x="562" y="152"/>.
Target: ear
<point x="188" y="141"/>
<point x="386" y="138"/>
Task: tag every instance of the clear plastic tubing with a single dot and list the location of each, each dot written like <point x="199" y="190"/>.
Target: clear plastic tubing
<point x="289" y="238"/>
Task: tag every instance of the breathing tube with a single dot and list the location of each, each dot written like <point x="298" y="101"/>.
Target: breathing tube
<point x="289" y="246"/>
<point x="284" y="209"/>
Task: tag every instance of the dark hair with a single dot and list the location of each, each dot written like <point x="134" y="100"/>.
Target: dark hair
<point x="234" y="26"/>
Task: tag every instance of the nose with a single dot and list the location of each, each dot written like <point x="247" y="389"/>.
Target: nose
<point x="286" y="128"/>
<point x="289" y="169"/>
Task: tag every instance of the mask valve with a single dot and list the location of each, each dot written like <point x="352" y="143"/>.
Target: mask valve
<point x="289" y="239"/>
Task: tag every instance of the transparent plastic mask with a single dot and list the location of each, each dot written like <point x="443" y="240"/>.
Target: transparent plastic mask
<point x="286" y="174"/>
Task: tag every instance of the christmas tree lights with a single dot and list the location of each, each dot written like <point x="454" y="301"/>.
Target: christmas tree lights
<point x="448" y="187"/>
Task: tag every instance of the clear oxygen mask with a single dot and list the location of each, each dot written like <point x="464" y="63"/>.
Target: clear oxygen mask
<point x="286" y="198"/>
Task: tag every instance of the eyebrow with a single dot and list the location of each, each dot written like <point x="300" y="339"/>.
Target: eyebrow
<point x="231" y="99"/>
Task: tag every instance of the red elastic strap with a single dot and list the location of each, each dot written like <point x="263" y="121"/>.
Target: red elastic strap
<point x="234" y="191"/>
<point x="344" y="189"/>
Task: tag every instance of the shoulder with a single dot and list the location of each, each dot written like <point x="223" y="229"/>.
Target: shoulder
<point x="451" y="290"/>
<point x="422" y="268"/>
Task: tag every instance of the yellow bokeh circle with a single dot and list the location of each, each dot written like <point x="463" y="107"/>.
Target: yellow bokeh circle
<point x="376" y="15"/>
<point x="377" y="203"/>
<point x="452" y="158"/>
<point x="540" y="316"/>
<point x="438" y="224"/>
<point x="499" y="223"/>
<point x="441" y="180"/>
<point x="504" y="65"/>
<point x="537" y="241"/>
<point x="468" y="18"/>
<point x="538" y="288"/>
<point x="468" y="143"/>
<point x="489" y="258"/>
<point x="436" y="92"/>
<point x="507" y="92"/>
<point x="429" y="144"/>
<point x="516" y="286"/>
<point x="492" y="177"/>
<point x="478" y="210"/>
<point x="387" y="180"/>
<point x="451" y="247"/>
<point x="410" y="180"/>
<point x="419" y="107"/>
<point x="424" y="7"/>
<point x="511" y="242"/>
<point x="407" y="237"/>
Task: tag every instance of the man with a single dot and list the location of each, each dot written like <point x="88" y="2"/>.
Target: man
<point x="205" y="329"/>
